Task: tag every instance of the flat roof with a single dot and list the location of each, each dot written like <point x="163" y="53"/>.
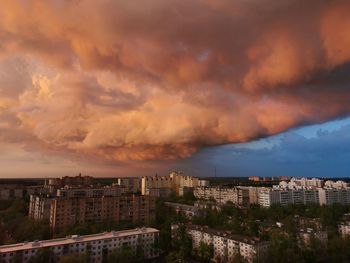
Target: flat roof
<point x="75" y="239"/>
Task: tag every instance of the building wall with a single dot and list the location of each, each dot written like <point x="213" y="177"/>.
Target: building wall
<point x="344" y="228"/>
<point x="270" y="196"/>
<point x="65" y="212"/>
<point x="175" y="182"/>
<point x="225" y="245"/>
<point x="39" y="207"/>
<point x="131" y="184"/>
<point x="238" y="196"/>
<point x="96" y="246"/>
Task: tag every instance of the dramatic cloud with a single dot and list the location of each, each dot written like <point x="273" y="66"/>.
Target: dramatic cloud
<point x="155" y="79"/>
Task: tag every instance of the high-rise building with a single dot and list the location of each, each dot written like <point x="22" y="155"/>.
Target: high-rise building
<point x="236" y="195"/>
<point x="72" y="192"/>
<point x="328" y="196"/>
<point x="64" y="212"/>
<point x="253" y="193"/>
<point x="270" y="196"/>
<point x="39" y="207"/>
<point x="162" y="186"/>
<point x="127" y="208"/>
<point x="130" y="184"/>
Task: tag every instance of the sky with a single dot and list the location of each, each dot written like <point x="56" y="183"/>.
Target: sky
<point x="125" y="88"/>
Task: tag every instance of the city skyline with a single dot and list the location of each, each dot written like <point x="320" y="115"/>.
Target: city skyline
<point x="118" y="88"/>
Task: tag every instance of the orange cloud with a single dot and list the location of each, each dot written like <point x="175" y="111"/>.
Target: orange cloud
<point x="127" y="80"/>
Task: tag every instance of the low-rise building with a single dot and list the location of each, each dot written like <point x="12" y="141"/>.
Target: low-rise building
<point x="188" y="211"/>
<point x="344" y="226"/>
<point x="308" y="222"/>
<point x="308" y="235"/>
<point x="97" y="246"/>
<point x="225" y="245"/>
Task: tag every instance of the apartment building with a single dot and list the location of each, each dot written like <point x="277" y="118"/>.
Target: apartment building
<point x="72" y="192"/>
<point x="158" y="186"/>
<point x="40" y="206"/>
<point x="188" y="211"/>
<point x="330" y="196"/>
<point x="182" y="182"/>
<point x="97" y="246"/>
<point x="270" y="196"/>
<point x="130" y="184"/>
<point x="338" y="184"/>
<point x="306" y="182"/>
<point x="63" y="212"/>
<point x="308" y="222"/>
<point x="238" y="196"/>
<point x="71" y="181"/>
<point x="12" y="191"/>
<point x="225" y="245"/>
<point x="306" y="236"/>
<point x="344" y="226"/>
<point x="253" y="193"/>
<point x="127" y="208"/>
<point x="176" y="182"/>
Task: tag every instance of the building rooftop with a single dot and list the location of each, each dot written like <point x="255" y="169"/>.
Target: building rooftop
<point x="75" y="239"/>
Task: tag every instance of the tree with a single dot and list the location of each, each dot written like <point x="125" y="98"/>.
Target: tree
<point x="121" y="255"/>
<point x="73" y="258"/>
<point x="238" y="259"/>
<point x="182" y="242"/>
<point x="205" y="252"/>
<point x="44" y="255"/>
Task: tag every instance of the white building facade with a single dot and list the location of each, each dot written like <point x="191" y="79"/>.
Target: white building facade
<point x="227" y="246"/>
<point x="97" y="246"/>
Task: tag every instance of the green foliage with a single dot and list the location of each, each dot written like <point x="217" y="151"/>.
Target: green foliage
<point x="44" y="255"/>
<point x="205" y="252"/>
<point x="73" y="258"/>
<point x="182" y="242"/>
<point x="15" y="226"/>
<point x="126" y="255"/>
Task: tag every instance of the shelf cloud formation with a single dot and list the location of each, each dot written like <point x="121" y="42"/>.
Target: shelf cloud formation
<point x="159" y="80"/>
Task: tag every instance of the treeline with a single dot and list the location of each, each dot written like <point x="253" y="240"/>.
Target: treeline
<point x="16" y="227"/>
